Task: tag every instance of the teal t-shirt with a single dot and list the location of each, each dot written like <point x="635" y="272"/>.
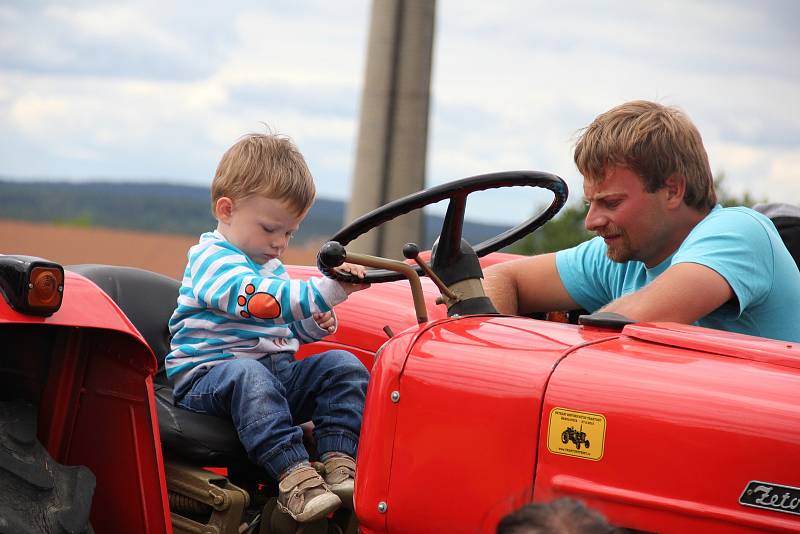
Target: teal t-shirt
<point x="740" y="244"/>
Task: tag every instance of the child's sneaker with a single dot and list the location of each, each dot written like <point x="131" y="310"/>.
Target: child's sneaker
<point x="340" y="472"/>
<point x="305" y="496"/>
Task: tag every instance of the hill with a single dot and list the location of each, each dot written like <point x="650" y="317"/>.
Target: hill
<point x="70" y="245"/>
<point x="165" y="208"/>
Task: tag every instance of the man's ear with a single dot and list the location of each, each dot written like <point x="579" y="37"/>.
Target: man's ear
<point x="675" y="186"/>
<point x="223" y="208"/>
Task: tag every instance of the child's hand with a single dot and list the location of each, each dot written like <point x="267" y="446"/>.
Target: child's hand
<point x="355" y="270"/>
<point x="352" y="268"/>
<point x="325" y="321"/>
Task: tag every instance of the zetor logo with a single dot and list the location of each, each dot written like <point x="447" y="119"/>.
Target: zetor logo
<point x="770" y="496"/>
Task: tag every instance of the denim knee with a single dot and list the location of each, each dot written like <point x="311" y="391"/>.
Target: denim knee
<point x="243" y="369"/>
<point x="347" y="364"/>
<point x="249" y="379"/>
<point x="340" y="403"/>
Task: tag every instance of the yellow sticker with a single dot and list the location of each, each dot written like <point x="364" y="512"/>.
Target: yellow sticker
<point x="578" y="434"/>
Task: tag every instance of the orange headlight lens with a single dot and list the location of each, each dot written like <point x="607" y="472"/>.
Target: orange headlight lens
<point x="31" y="285"/>
<point x="45" y="287"/>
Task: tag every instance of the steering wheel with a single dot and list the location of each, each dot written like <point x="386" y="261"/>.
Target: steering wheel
<point x="449" y="246"/>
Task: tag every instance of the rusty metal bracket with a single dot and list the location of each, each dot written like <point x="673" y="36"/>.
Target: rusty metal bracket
<point x="225" y="501"/>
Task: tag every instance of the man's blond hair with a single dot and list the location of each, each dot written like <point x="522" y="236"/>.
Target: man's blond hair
<point x="654" y="141"/>
<point x="269" y="165"/>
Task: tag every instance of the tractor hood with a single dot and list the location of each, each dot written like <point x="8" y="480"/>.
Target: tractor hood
<point x="718" y="342"/>
<point x="468" y="419"/>
<point x="468" y="390"/>
<point x="687" y="429"/>
<point x="661" y="427"/>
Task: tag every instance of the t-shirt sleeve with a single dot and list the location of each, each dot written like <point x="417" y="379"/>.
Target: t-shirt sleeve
<point x="737" y="247"/>
<point x="587" y="274"/>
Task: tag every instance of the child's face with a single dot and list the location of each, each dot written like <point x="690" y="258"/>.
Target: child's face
<point x="259" y="226"/>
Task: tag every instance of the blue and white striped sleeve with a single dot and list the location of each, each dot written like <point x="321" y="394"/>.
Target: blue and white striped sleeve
<point x="308" y="331"/>
<point x="223" y="279"/>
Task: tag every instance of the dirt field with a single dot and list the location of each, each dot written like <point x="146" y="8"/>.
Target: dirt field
<point x="68" y="245"/>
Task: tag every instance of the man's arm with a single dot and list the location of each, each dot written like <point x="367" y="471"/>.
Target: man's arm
<point x="527" y="285"/>
<point x="683" y="294"/>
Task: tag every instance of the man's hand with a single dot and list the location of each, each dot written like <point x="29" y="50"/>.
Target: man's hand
<point x="355" y="270"/>
<point x="325" y="320"/>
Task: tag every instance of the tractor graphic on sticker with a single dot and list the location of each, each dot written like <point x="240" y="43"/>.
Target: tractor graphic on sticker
<point x="575" y="436"/>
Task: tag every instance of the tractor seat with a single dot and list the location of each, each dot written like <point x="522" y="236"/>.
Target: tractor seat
<point x="148" y="300"/>
<point x="786" y="218"/>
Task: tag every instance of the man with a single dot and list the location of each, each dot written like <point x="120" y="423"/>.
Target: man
<point x="664" y="251"/>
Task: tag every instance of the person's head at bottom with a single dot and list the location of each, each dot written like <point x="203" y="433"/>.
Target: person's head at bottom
<point x="562" y="516"/>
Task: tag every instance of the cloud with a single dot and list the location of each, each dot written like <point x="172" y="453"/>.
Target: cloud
<point x="530" y="74"/>
<point x="140" y="88"/>
<point x="137" y="89"/>
<point x="126" y="39"/>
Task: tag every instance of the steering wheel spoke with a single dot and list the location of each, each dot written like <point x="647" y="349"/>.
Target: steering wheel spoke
<point x="452" y="227"/>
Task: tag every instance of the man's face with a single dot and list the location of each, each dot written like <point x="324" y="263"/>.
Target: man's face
<point x="630" y="220"/>
<point x="260" y="227"/>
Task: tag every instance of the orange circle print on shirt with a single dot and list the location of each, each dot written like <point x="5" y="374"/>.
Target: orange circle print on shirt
<point x="259" y="305"/>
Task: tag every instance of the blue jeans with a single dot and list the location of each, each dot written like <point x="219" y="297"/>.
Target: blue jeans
<point x="267" y="398"/>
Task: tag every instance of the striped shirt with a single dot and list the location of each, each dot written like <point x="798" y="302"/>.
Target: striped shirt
<point x="231" y="307"/>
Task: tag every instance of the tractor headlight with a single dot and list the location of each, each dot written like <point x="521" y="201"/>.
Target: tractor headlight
<point x="31" y="285"/>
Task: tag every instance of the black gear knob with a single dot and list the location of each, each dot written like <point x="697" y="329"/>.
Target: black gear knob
<point x="332" y="254"/>
<point x="410" y="250"/>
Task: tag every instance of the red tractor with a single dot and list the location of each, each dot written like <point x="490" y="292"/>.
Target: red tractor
<point x="577" y="437"/>
<point x="691" y="429"/>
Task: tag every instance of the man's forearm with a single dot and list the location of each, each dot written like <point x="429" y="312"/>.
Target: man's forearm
<point x="683" y="294"/>
<point x="501" y="288"/>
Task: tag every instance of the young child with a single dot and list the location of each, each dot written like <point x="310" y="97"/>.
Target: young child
<point x="240" y="318"/>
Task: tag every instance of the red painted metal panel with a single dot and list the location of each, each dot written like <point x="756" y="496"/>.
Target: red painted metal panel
<point x="365" y="356"/>
<point x="91" y="377"/>
<point x="463" y="433"/>
<point x="114" y="434"/>
<point x="84" y="305"/>
<point x="718" y="342"/>
<point x="378" y="434"/>
<point x="685" y="431"/>
<point x="62" y="389"/>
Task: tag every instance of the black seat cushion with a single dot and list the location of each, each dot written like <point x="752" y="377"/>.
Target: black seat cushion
<point x="789" y="229"/>
<point x="148" y="300"/>
<point x="197" y="437"/>
<point x="786" y="218"/>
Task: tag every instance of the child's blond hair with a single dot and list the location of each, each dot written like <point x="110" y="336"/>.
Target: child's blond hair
<point x="269" y="165"/>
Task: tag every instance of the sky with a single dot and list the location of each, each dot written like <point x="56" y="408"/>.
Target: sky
<point x="147" y="90"/>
